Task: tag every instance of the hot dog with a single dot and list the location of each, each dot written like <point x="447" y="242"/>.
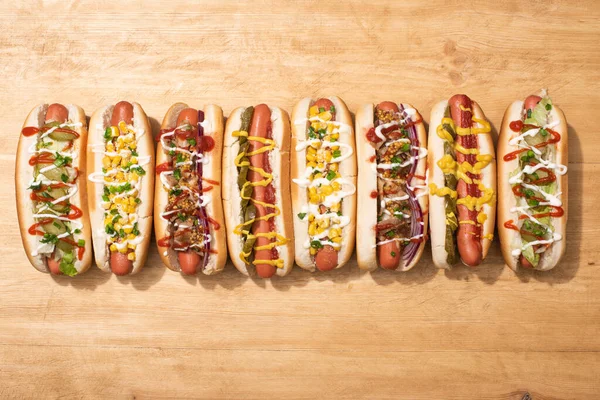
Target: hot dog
<point x="392" y="200"/>
<point x="532" y="183"/>
<point x="257" y="210"/>
<point x="462" y="183"/>
<point x="53" y="216"/>
<point x="324" y="183"/>
<point x="120" y="171"/>
<point x="187" y="200"/>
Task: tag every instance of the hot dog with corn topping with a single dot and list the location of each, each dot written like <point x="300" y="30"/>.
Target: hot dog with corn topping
<point x="120" y="171"/>
<point x="323" y="166"/>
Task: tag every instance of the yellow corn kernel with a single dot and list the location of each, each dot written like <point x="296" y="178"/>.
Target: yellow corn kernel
<point x="333" y="148"/>
<point x="120" y="176"/>
<point x="133" y="145"/>
<point x="333" y="233"/>
<point x="330" y="128"/>
<point x="320" y="230"/>
<point x="335" y="207"/>
<point x="315" y="198"/>
<point x="324" y="223"/>
<point x="316" y="145"/>
<point x="328" y="156"/>
<point x="311" y="150"/>
<point x="131" y="256"/>
<point x="116" y="160"/>
<point x="135" y="177"/>
<point x="313" y="251"/>
<point x="114" y="131"/>
<point x="320" y="165"/>
<point x="131" y="236"/>
<point x="337" y="240"/>
<point x="311" y="217"/>
<point x="106" y="206"/>
<point x="312" y="229"/>
<point x="131" y="201"/>
<point x="312" y="164"/>
<point x="313" y="111"/>
<point x="310" y="157"/>
<point x="134" y="160"/>
<point x="106" y="162"/>
<point x="326" y="190"/>
<point x="335" y="185"/>
<point x="123" y="250"/>
<point x="333" y="167"/>
<point x="113" y="247"/>
<point x="118" y="226"/>
<point x="312" y="190"/>
<point x="325" y="115"/>
<point x="110" y="146"/>
<point x="128" y="229"/>
<point x="335" y="136"/>
<point x="326" y="138"/>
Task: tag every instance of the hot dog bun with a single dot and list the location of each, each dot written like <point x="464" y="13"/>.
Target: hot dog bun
<point x="24" y="176"/>
<point x="211" y="170"/>
<point x="100" y="120"/>
<point x="437" y="212"/>
<point x="347" y="171"/>
<point x="510" y="238"/>
<point x="366" y="242"/>
<point x="279" y="162"/>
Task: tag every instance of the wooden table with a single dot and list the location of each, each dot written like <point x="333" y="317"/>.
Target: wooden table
<point x="485" y="333"/>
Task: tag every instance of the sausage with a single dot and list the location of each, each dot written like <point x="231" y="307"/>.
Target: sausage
<point x="525" y="263"/>
<point x="326" y="258"/>
<point x="54" y="266"/>
<point x="119" y="263"/>
<point x="261" y="121"/>
<point x="188" y="260"/>
<point x="57" y="113"/>
<point x="123" y="111"/>
<point x="468" y="235"/>
<point x="326" y="104"/>
<point x="531" y="102"/>
<point x="388" y="253"/>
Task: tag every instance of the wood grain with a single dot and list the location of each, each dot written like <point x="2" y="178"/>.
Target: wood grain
<point x="485" y="333"/>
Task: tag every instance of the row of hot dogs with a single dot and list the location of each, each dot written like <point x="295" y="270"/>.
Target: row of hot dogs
<point x="273" y="191"/>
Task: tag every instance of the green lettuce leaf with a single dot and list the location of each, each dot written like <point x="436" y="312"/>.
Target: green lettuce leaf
<point x="531" y="256"/>
<point x="539" y="114"/>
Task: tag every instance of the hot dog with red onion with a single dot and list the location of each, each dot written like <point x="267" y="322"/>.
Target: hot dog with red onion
<point x="323" y="165"/>
<point x="256" y="198"/>
<point x="462" y="183"/>
<point x="50" y="191"/>
<point x="532" y="183"/>
<point x="189" y="226"/>
<point x="392" y="172"/>
<point x="120" y="169"/>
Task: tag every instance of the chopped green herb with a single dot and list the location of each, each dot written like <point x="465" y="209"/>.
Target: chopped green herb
<point x="134" y="153"/>
<point x="109" y="229"/>
<point x="56" y="224"/>
<point x="529" y="113"/>
<point x="35" y="186"/>
<point x="393" y="254"/>
<point x="321" y="109"/>
<point x="77" y="231"/>
<point x="175" y="192"/>
<point x="135" y="230"/>
<point x="405" y="147"/>
<point x="331" y="175"/>
<point x="337" y="153"/>
<point x="139" y="170"/>
<point x="64" y="178"/>
<point x="107" y="134"/>
<point x="192" y="142"/>
<point x="548" y="106"/>
<point x="105" y="198"/>
<point x="301" y="215"/>
<point x="177" y="174"/>
<point x="49" y="238"/>
<point x="332" y="109"/>
<point x="138" y="200"/>
<point x="389" y="234"/>
<point x="316" y="244"/>
<point x="114" y="212"/>
<point x="81" y="243"/>
<point x="543" y="131"/>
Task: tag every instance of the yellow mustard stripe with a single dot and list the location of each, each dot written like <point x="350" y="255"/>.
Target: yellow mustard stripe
<point x="434" y="190"/>
<point x="267" y="179"/>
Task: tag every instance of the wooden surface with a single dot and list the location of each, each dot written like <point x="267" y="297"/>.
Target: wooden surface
<point x="485" y="333"/>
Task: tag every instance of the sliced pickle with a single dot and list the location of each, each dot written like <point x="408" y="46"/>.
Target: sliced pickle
<point x="250" y="213"/>
<point x="54" y="174"/>
<point x="249" y="245"/>
<point x="56" y="227"/>
<point x="64" y="246"/>
<point x="62" y="136"/>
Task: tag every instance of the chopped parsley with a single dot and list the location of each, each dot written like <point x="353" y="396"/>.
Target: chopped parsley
<point x="35" y="186"/>
<point x="49" y="238"/>
<point x="301" y="215"/>
<point x="107" y="134"/>
<point x="321" y="109"/>
<point x="135" y="230"/>
<point x="81" y="243"/>
<point x="60" y="160"/>
<point x="337" y="153"/>
<point x="139" y="170"/>
<point x="177" y="173"/>
<point x="331" y="175"/>
<point x="548" y="106"/>
<point x="192" y="142"/>
<point x="393" y="254"/>
<point x="64" y="178"/>
<point x="332" y="109"/>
